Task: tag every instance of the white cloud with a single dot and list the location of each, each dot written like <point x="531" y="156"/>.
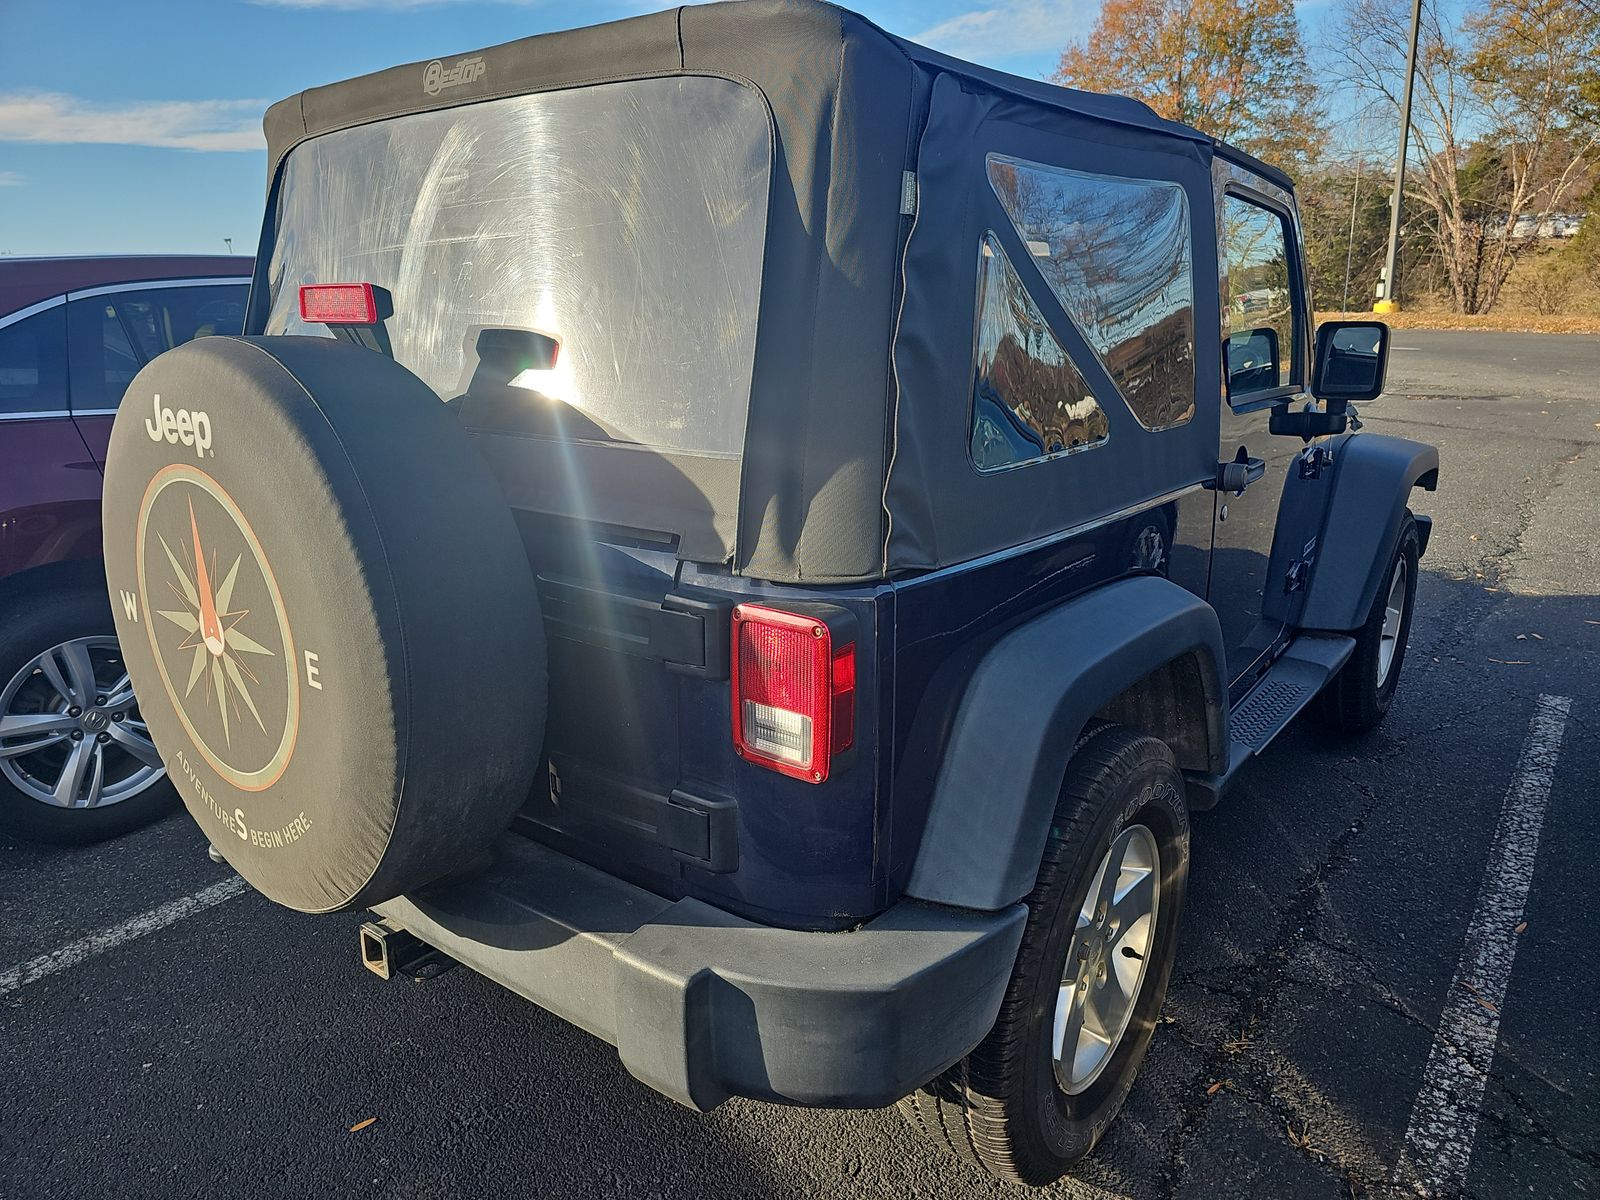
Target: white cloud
<point x="1010" y="28"/>
<point x="12" y="179"/>
<point x="182" y="124"/>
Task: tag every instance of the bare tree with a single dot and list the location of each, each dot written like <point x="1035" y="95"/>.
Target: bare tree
<point x="1503" y="124"/>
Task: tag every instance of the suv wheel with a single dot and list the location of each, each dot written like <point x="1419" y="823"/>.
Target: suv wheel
<point x="1040" y="1091"/>
<point x="76" y="761"/>
<point x="1360" y="694"/>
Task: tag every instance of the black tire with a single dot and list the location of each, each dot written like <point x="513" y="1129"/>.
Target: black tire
<point x="1002" y="1107"/>
<point x="1357" y="698"/>
<point x="328" y="612"/>
<point x="30" y="624"/>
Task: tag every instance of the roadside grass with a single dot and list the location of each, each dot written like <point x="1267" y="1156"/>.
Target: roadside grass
<point x="1553" y="289"/>
<point x="1498" y="321"/>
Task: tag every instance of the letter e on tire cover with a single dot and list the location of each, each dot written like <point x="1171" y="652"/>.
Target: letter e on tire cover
<point x="327" y="614"/>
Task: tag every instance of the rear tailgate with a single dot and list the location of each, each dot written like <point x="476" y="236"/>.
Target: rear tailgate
<point x="642" y="776"/>
<point x="621" y="646"/>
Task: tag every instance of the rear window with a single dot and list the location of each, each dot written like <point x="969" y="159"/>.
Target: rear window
<point x="626" y="220"/>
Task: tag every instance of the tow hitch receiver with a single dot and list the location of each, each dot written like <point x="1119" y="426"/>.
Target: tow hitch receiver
<point x="388" y="950"/>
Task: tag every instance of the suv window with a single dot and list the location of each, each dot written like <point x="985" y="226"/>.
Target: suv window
<point x="111" y="336"/>
<point x="625" y="220"/>
<point x="160" y="318"/>
<point x="1028" y="399"/>
<point x="1262" y="305"/>
<point x="33" y="363"/>
<point x="1117" y="255"/>
<point x="104" y="361"/>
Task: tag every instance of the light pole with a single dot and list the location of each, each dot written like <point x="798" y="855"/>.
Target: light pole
<point x="229" y="243"/>
<point x="1389" y="295"/>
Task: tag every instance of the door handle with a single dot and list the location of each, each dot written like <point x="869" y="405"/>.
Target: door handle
<point x="1239" y="474"/>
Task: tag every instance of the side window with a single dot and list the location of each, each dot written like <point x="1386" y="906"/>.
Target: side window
<point x="33" y="363"/>
<point x="1028" y="400"/>
<point x="113" y="335"/>
<point x="161" y="318"/>
<point x="1117" y="254"/>
<point x="103" y="360"/>
<point x="1261" y="303"/>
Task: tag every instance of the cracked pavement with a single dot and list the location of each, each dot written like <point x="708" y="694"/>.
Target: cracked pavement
<point x="229" y="1054"/>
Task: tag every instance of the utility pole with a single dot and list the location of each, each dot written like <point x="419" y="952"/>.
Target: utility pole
<point x="1390" y="295"/>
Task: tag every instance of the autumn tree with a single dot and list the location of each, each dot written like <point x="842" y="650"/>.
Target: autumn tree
<point x="1505" y="123"/>
<point x="1235" y="69"/>
<point x="1536" y="66"/>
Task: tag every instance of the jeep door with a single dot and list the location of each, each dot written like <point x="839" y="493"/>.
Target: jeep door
<point x="1265" y="324"/>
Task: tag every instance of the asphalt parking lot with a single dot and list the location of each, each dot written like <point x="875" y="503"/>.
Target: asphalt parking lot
<point x="1390" y="967"/>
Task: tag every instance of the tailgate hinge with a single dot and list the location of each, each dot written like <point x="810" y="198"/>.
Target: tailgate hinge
<point x="702" y="833"/>
<point x="686" y="633"/>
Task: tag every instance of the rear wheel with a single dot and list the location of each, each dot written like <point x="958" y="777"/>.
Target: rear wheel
<point x="1040" y="1091"/>
<point x="1360" y="694"/>
<point x="76" y="761"/>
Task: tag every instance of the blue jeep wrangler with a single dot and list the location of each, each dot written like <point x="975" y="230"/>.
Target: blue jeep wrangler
<point x="756" y="535"/>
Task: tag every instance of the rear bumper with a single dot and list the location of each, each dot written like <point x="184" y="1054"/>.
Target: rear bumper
<point x="703" y="1005"/>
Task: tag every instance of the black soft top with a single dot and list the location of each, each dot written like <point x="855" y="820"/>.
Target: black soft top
<point x="782" y="36"/>
<point x="836" y="410"/>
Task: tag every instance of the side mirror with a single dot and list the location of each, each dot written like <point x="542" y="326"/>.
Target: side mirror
<point x="1252" y="359"/>
<point x="1352" y="360"/>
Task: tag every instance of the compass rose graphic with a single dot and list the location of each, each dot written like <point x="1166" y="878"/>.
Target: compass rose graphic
<point x="213" y="633"/>
<point x="218" y="627"/>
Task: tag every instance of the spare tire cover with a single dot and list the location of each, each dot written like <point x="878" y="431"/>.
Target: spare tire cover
<point x="327" y="615"/>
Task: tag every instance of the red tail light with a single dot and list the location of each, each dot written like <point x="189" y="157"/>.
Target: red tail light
<point x="339" y="304"/>
<point x="793" y="693"/>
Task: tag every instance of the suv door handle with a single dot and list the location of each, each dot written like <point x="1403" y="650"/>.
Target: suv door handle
<point x="1239" y="474"/>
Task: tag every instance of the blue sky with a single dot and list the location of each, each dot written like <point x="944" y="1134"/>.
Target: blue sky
<point x="136" y="126"/>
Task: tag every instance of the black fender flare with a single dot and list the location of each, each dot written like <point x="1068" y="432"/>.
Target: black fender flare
<point x="1027" y="703"/>
<point x="1373" y="479"/>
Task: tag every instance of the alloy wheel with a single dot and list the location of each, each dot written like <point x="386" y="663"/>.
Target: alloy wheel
<point x="1393" y="616"/>
<point x="70" y="730"/>
<point x="1106" y="959"/>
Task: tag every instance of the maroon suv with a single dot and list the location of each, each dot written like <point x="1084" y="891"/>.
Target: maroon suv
<point x="76" y="762"/>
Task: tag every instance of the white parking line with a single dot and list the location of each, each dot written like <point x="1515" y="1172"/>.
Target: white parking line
<point x="76" y="952"/>
<point x="1444" y="1119"/>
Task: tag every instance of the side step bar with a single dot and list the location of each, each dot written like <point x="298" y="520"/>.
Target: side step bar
<point x="1278" y="697"/>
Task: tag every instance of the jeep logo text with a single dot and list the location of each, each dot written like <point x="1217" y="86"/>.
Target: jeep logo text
<point x="436" y="76"/>
<point x="190" y="428"/>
